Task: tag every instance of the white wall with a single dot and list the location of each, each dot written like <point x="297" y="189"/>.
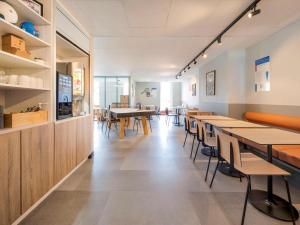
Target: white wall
<point x="284" y="50"/>
<point x="141" y="98"/>
<point x="191" y="77"/>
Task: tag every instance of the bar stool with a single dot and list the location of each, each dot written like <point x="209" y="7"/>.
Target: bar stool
<point x="253" y="166"/>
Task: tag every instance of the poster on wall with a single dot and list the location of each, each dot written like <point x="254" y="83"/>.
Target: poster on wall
<point x="211" y="83"/>
<point x="78" y="82"/>
<point x="262" y="74"/>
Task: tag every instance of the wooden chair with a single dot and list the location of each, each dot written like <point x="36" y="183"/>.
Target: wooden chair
<point x="207" y="141"/>
<point x="189" y="131"/>
<point x="249" y="165"/>
<point x="109" y="121"/>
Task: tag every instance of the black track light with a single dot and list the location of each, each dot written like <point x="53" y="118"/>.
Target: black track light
<point x="254" y="12"/>
<point x="189" y="67"/>
<point x="219" y="41"/>
<point x="195" y="62"/>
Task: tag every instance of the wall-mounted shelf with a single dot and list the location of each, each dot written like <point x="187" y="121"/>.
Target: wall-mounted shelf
<point x="31" y="41"/>
<point x="8" y="60"/>
<point x="28" y="14"/>
<point x="9" y="87"/>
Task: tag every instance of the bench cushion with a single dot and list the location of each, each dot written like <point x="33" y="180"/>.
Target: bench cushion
<point x="289" y="154"/>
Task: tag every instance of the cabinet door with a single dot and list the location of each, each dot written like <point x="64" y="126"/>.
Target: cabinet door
<point x="84" y="138"/>
<point x="65" y="149"/>
<point x="37" y="150"/>
<point x="10" y="199"/>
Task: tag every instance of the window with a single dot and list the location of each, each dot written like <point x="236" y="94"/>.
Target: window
<point x="107" y="90"/>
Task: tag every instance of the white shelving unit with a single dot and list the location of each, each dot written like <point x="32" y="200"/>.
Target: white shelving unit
<point x="18" y="87"/>
<point x="16" y="98"/>
<point x="31" y="41"/>
<point x="28" y="14"/>
<point x="8" y="60"/>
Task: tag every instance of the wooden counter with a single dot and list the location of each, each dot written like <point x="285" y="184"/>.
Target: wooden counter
<point x="35" y="158"/>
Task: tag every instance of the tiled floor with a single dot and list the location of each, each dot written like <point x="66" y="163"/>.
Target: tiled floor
<point x="148" y="181"/>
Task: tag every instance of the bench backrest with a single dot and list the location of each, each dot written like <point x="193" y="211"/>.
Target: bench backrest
<point x="284" y="121"/>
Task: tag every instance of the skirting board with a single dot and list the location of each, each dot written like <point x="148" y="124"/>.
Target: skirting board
<point x="24" y="215"/>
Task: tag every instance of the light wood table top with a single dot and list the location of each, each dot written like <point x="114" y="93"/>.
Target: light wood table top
<point x="212" y="117"/>
<point x="233" y="124"/>
<point x="130" y="112"/>
<point x="267" y="136"/>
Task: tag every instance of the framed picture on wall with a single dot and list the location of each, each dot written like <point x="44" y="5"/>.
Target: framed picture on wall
<point x="211" y="83"/>
<point x="194" y="86"/>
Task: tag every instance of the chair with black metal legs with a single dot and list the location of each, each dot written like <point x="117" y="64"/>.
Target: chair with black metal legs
<point x="189" y="131"/>
<point x="168" y="115"/>
<point x="253" y="166"/>
<point x="208" y="142"/>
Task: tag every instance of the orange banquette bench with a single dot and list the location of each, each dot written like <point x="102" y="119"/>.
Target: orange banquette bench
<point x="287" y="153"/>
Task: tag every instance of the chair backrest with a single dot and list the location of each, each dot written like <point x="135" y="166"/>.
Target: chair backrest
<point x="186" y="124"/>
<point x="200" y="131"/>
<point x="228" y="145"/>
<point x="204" y="131"/>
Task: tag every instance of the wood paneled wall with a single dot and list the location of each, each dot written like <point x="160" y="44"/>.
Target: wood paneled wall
<point x="37" y="151"/>
<point x="10" y="206"/>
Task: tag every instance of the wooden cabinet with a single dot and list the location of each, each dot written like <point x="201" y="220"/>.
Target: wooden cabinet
<point x="84" y="138"/>
<point x="37" y="151"/>
<point x="10" y="199"/>
<point x="65" y="148"/>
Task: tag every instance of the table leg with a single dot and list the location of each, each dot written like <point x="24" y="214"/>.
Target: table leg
<point x="122" y="128"/>
<point x="145" y="125"/>
<point x="270" y="204"/>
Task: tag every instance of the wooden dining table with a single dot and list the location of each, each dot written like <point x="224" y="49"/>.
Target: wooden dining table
<point x="123" y="113"/>
<point x="206" y="151"/>
<point x="266" y="201"/>
<point x="228" y="168"/>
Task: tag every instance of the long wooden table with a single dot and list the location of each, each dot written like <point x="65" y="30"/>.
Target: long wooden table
<point x="266" y="201"/>
<point x="123" y="113"/>
<point x="211" y="117"/>
<point x="233" y="124"/>
<point x="228" y="168"/>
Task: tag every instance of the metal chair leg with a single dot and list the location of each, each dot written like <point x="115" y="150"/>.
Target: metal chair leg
<point x="196" y="151"/>
<point x="186" y="134"/>
<point x="290" y="200"/>
<point x="213" y="178"/>
<point x="150" y="126"/>
<point x="246" y="200"/>
<point x="192" y="146"/>
<point x="207" y="169"/>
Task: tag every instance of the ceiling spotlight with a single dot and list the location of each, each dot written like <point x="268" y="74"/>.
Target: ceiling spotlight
<point x="254" y="12"/>
<point x="219" y="41"/>
<point x="195" y="62"/>
<point x="204" y="55"/>
<point x="184" y="71"/>
<point x="189" y="67"/>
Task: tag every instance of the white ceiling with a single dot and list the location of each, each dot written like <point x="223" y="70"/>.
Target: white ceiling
<point x="156" y="38"/>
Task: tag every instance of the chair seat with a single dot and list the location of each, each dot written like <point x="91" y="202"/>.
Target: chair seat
<point x="193" y="130"/>
<point x="211" y="141"/>
<point x="172" y="114"/>
<point x="253" y="165"/>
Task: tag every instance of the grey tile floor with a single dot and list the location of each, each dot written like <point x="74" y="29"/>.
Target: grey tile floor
<point x="149" y="181"/>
